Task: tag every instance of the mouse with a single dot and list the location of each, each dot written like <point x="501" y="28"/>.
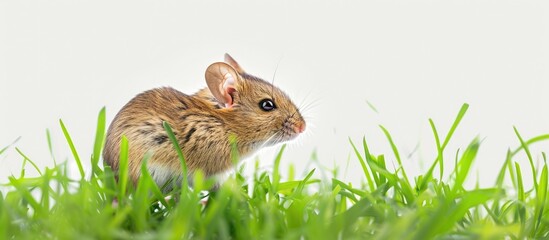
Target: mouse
<point x="233" y="105"/>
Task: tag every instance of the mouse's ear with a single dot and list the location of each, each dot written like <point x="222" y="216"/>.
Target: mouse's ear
<point x="230" y="60"/>
<point x="221" y="79"/>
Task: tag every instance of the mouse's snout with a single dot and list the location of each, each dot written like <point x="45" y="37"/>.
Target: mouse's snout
<point x="299" y="127"/>
<point x="291" y="128"/>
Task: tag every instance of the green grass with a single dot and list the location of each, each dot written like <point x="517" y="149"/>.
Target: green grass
<point x="388" y="204"/>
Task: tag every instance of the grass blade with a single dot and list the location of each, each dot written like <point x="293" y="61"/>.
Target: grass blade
<point x="4" y="149"/>
<point x="422" y="183"/>
<point x="464" y="164"/>
<point x="123" y="169"/>
<point x="177" y="148"/>
<point x="50" y="146"/>
<point x="459" y="117"/>
<point x="529" y="155"/>
<point x="30" y="161"/>
<point x="531" y="141"/>
<point x="501" y="175"/>
<point x="371" y="163"/>
<point x="276" y="174"/>
<point x="541" y="194"/>
<point x="520" y="186"/>
<point x="440" y="156"/>
<point x="11" y="144"/>
<point x="99" y="141"/>
<point x="404" y="181"/>
<point x="73" y="149"/>
<point x="364" y="168"/>
<point x="146" y="176"/>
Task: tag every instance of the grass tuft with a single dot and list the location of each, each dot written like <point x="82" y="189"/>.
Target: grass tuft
<point x="270" y="205"/>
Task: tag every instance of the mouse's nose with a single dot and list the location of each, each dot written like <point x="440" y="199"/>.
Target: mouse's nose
<point x="299" y="127"/>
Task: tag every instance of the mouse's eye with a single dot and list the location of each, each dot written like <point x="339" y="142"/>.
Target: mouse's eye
<point x="267" y="105"/>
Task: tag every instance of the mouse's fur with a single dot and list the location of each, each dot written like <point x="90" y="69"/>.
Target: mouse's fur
<point x="202" y="124"/>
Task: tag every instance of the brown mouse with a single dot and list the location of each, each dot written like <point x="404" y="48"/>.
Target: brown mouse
<point x="235" y="104"/>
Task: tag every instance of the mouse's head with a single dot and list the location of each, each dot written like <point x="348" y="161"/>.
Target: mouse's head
<point x="261" y="112"/>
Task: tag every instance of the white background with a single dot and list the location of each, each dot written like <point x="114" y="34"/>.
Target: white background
<point x="412" y="60"/>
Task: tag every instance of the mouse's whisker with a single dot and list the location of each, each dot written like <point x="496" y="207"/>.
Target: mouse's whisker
<point x="304" y="99"/>
<point x="274" y="76"/>
<point x="312" y="103"/>
<point x="269" y="139"/>
<point x="310" y="106"/>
